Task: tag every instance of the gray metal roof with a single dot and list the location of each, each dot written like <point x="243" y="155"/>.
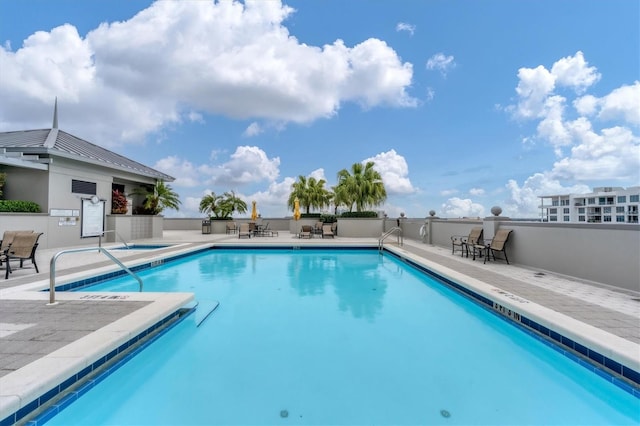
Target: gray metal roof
<point x="63" y="144"/>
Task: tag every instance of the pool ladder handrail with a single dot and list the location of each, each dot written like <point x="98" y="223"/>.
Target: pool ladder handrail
<point x="52" y="269"/>
<point x="384" y="236"/>
<point x="117" y="235"/>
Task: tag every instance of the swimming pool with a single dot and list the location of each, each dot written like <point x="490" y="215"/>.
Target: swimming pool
<point x="339" y="337"/>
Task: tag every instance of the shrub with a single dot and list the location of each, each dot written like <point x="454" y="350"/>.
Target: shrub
<point x="118" y="202"/>
<point x="328" y="218"/>
<point x="310" y="215"/>
<point x="367" y="214"/>
<point x="18" y="206"/>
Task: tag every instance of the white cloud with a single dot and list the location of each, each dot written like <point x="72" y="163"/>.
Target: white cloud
<point x="248" y="164"/>
<point x="318" y="174"/>
<point x="614" y="154"/>
<point x="185" y="173"/>
<point x="523" y="200"/>
<point x="552" y="126"/>
<point x="622" y="103"/>
<point x="253" y="129"/>
<point x="586" y="105"/>
<point x="175" y="60"/>
<point x="403" y="26"/>
<point x="273" y="201"/>
<point x="457" y="207"/>
<point x="394" y="171"/>
<point x="533" y="88"/>
<point x="476" y="191"/>
<point x="572" y="71"/>
<point x="586" y="153"/>
<point x="441" y="62"/>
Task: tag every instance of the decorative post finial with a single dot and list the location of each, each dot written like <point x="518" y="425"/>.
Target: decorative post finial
<point x="55" y="114"/>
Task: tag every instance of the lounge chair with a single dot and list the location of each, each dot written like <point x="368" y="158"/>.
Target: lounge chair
<point x="22" y="248"/>
<point x="463" y="243"/>
<point x="326" y="231"/>
<point x="498" y="244"/>
<point x="266" y="231"/>
<point x="317" y="230"/>
<point x="231" y="228"/>
<point x="305" y="231"/>
<point x="244" y="230"/>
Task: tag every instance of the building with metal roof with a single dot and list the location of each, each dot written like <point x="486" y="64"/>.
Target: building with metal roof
<point x="58" y="170"/>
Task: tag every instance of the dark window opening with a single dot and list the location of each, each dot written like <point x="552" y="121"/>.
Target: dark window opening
<point x="82" y="187"/>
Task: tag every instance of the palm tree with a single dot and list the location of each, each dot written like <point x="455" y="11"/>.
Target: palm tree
<point x="222" y="206"/>
<point x="231" y="203"/>
<point x="209" y="204"/>
<point x="362" y="186"/>
<point x="160" y="197"/>
<point x="319" y="196"/>
<point x="311" y="193"/>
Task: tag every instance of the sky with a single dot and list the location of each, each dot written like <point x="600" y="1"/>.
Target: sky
<point x="462" y="105"/>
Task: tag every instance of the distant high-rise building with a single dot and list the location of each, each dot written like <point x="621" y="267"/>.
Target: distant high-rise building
<point x="604" y="205"/>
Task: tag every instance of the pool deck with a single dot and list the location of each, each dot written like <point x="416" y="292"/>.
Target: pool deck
<point x="42" y="345"/>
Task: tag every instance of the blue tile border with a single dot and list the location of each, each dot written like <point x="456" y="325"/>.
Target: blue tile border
<point x="590" y="359"/>
<point x="174" y="318"/>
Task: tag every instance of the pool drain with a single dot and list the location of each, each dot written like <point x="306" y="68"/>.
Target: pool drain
<point x="284" y="413"/>
<point x="445" y="414"/>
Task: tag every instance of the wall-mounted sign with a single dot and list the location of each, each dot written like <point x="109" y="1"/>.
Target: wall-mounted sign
<point x="92" y="217"/>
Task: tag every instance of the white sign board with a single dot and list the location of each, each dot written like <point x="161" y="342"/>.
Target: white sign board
<point x="92" y="218"/>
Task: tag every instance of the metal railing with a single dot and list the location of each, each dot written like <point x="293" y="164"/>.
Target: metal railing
<point x="117" y="235"/>
<point x="384" y="236"/>
<point x="52" y="268"/>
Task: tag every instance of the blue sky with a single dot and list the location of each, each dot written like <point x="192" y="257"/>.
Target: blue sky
<point x="462" y="105"/>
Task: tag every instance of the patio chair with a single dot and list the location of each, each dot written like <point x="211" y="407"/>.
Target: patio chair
<point x="22" y="248"/>
<point x="7" y="239"/>
<point x="244" y="230"/>
<point x="305" y="231"/>
<point x="498" y="244"/>
<point x="317" y="230"/>
<point x="231" y="228"/>
<point x="462" y="243"/>
<point x="326" y="231"/>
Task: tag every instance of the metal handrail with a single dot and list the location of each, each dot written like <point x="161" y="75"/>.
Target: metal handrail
<point x="388" y="233"/>
<point x="52" y="269"/>
<point x="117" y="235"/>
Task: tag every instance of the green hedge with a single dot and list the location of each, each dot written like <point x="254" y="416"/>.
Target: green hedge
<point x="367" y="214"/>
<point x="17" y="206"/>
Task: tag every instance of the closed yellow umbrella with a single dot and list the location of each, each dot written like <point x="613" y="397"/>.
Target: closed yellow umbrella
<point x="254" y="211"/>
<point x="296" y="209"/>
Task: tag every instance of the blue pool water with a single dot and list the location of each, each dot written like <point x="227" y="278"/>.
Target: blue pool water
<point x="339" y="337"/>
